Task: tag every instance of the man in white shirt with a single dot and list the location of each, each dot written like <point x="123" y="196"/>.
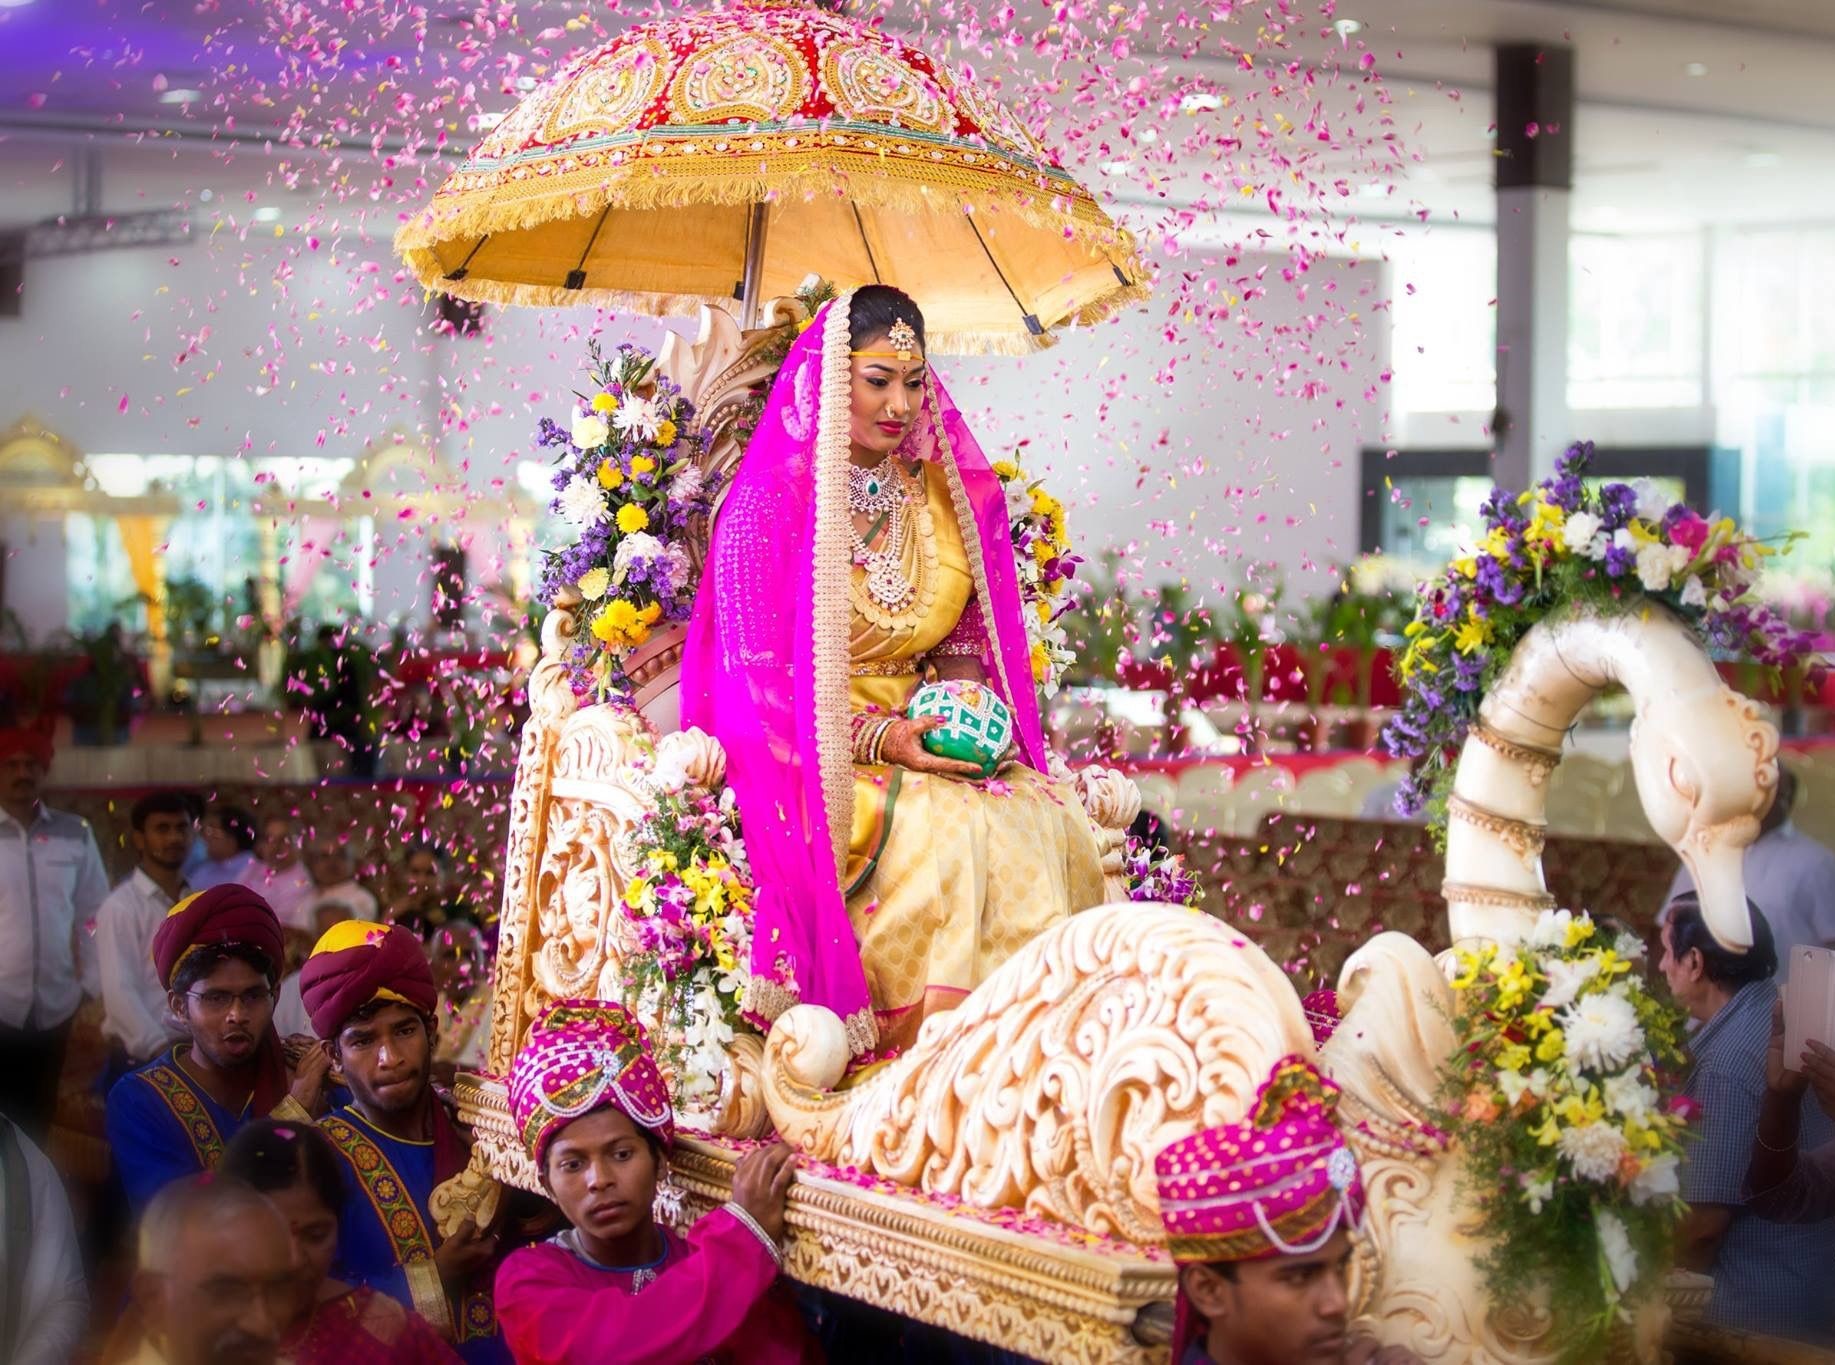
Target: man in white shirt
<point x="41" y="1269"/>
<point x="334" y="879"/>
<point x="280" y="876"/>
<point x="134" y="996"/>
<point x="51" y="885"/>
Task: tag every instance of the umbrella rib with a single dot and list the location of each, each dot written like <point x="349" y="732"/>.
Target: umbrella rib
<point x="1030" y="319"/>
<point x="464" y="266"/>
<point x="872" y="264"/>
<point x="576" y="278"/>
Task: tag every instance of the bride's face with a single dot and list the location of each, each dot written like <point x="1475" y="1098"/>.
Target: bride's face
<point x="887" y="392"/>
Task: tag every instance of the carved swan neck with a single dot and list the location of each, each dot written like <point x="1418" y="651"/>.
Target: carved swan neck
<point x="1497" y="817"/>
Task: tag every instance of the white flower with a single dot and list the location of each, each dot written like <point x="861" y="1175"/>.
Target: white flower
<point x="1652" y="502"/>
<point x="1656" y="1181"/>
<point x="810" y="281"/>
<point x="1601" y="1032"/>
<point x="1593" y="1150"/>
<point x="589" y="430"/>
<point x="638" y="417"/>
<point x="1628" y="1096"/>
<point x="686" y="485"/>
<point x="1693" y="593"/>
<point x="638" y="545"/>
<point x="1628" y="946"/>
<point x="1551" y="929"/>
<point x="1565" y="980"/>
<point x="1621" y="1258"/>
<point x="1514" y="1083"/>
<point x="1622" y="539"/>
<point x="670" y="771"/>
<point x="1537" y="1193"/>
<point x="1653" y="567"/>
<point x="583" y="502"/>
<point x="1579" y="532"/>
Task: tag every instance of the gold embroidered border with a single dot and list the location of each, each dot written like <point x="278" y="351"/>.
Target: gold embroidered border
<point x="971" y="539"/>
<point x="766" y="999"/>
<point x="829" y="591"/>
<point x="190" y="1111"/>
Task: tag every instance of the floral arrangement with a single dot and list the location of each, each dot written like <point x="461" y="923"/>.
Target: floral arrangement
<point x="629" y="483"/>
<point x="1609" y="547"/>
<point x="689" y="908"/>
<point x="1041" y="544"/>
<point x="1555" y="1094"/>
<point x="1158" y="874"/>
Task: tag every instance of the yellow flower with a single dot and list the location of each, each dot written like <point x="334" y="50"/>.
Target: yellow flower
<point x="1578" y="931"/>
<point x="1515" y="1057"/>
<point x="1044" y="505"/>
<point x="593" y="583"/>
<point x="637" y="634"/>
<point x="1006" y="469"/>
<point x="1472" y="633"/>
<point x="1545" y="522"/>
<point x="642" y="464"/>
<point x="632" y="519"/>
<point x="1043" y="550"/>
<point x="613" y="625"/>
<point x="665" y="434"/>
<point x="1041" y="662"/>
<point x="1043" y="608"/>
<point x="1467" y="566"/>
<point x="1551" y="1047"/>
<point x="604" y="402"/>
<point x="1548" y="1133"/>
<point x="610" y="475"/>
<point x="636" y="893"/>
<point x="650" y="613"/>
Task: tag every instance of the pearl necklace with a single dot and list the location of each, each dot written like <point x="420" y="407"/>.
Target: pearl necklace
<point x="876" y="492"/>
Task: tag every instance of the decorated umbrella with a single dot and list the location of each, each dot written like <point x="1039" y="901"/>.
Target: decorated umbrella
<point x="720" y="158"/>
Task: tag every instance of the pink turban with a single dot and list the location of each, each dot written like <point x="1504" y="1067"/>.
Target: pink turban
<point x="357" y="962"/>
<point x="584" y="1055"/>
<point x="1279" y="1184"/>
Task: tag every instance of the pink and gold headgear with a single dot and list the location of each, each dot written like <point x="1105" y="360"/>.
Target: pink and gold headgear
<point x="1279" y="1184"/>
<point x="584" y="1055"/>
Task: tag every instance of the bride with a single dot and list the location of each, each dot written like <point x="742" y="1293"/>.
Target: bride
<point x="863" y="545"/>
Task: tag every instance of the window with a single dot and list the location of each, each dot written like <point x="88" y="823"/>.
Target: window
<point x="1444" y="356"/>
<point x="1634" y="321"/>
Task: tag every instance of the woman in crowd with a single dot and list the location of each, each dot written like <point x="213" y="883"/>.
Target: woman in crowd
<point x="590" y="1104"/>
<point x="295" y="1166"/>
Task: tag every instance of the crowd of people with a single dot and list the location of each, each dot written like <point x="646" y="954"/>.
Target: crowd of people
<point x="277" y="1124"/>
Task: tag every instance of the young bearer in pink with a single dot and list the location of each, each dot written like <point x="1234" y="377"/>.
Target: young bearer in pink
<point x="1259" y="1217"/>
<point x="617" y="1285"/>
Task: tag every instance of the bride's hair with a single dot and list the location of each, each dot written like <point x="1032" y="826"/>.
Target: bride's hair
<point x="875" y="307"/>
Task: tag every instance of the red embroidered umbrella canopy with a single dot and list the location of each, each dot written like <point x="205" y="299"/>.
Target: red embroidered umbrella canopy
<point x="722" y="157"/>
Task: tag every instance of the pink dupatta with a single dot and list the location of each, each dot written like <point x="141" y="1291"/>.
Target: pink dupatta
<point x="765" y="670"/>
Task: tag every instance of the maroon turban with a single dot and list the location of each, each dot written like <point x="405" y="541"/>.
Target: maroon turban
<point x="209" y="919"/>
<point x="224" y="915"/>
<point x="357" y="962"/>
<point x="20" y="739"/>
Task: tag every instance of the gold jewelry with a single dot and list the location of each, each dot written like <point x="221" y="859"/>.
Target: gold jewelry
<point x="901" y="338"/>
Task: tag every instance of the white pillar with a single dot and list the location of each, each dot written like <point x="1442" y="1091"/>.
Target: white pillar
<point x="1532" y="285"/>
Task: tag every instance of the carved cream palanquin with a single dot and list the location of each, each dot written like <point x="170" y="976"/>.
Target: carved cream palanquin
<point x="997" y="1177"/>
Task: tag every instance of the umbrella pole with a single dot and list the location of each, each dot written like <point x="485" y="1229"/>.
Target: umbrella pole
<point x="752" y="285"/>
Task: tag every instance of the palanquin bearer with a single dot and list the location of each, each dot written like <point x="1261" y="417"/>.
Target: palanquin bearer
<point x="1259" y="1217"/>
<point x="219" y="954"/>
<point x="617" y="1285"/>
<point x="369" y="992"/>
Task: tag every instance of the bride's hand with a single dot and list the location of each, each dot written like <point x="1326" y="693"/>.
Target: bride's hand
<point x="904" y="745"/>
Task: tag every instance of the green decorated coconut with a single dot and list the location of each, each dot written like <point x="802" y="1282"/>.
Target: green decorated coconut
<point x="977" y="726"/>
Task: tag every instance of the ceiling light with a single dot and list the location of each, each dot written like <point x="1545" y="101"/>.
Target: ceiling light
<point x="1348" y="28"/>
<point x="180" y="96"/>
<point x="206" y="195"/>
<point x="1695" y="69"/>
<point x="1200" y="99"/>
<point x="526" y="83"/>
<point x="1116" y="167"/>
<point x="267" y="213"/>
